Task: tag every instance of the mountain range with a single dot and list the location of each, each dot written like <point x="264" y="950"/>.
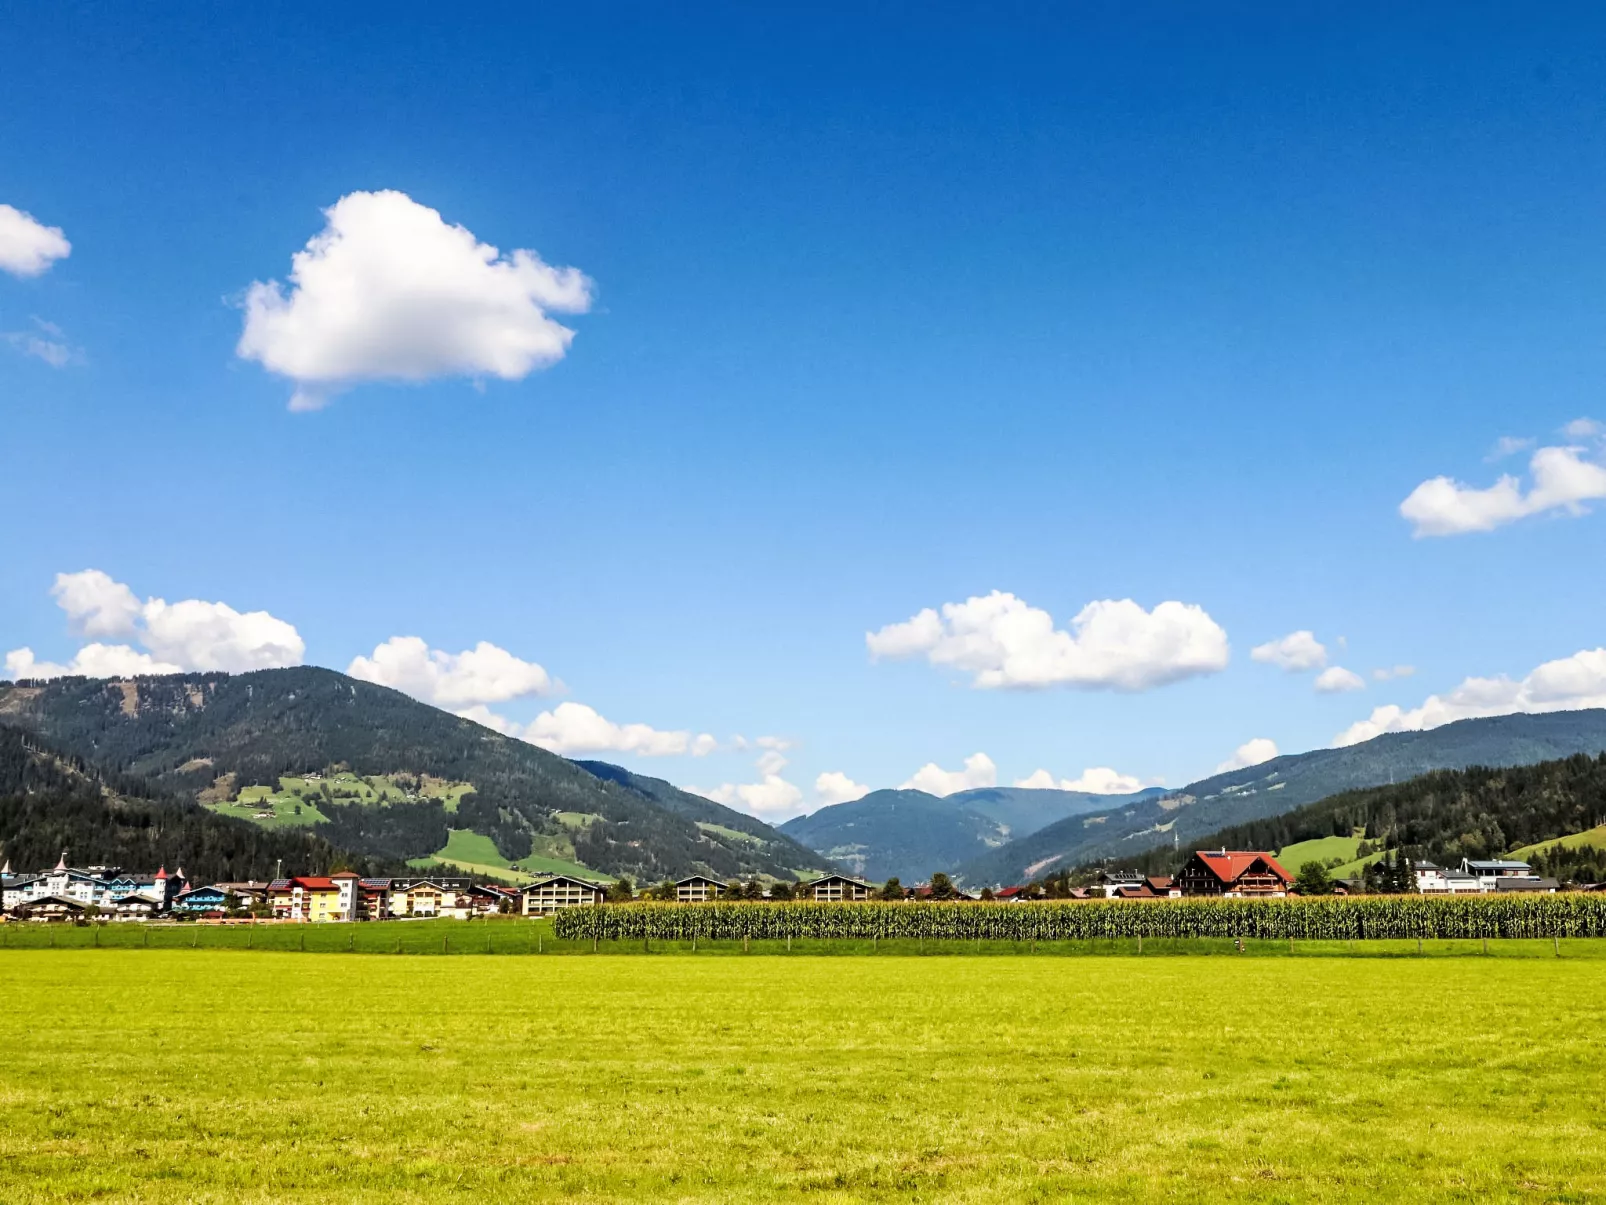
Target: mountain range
<point x="1283" y="784"/>
<point x="1552" y="813"/>
<point x="213" y="740"/>
<point x="908" y="834"/>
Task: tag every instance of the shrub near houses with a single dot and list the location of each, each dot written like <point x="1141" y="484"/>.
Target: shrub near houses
<point x="1324" y="918"/>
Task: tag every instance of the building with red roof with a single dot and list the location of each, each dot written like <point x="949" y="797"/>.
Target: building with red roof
<point x="336" y="897"/>
<point x="1236" y="873"/>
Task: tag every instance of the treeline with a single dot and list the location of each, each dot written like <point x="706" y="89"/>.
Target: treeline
<point x="50" y="802"/>
<point x="186" y="730"/>
<point x="1441" y="817"/>
<point x="1356" y="918"/>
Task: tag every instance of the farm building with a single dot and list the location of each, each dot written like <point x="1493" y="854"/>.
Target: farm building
<point x="698" y="889"/>
<point x="1490" y="873"/>
<point x="1432" y="879"/>
<point x="546" y="896"/>
<point x="834" y="888"/>
<point x="1236" y="873"/>
<point x="50" y="908"/>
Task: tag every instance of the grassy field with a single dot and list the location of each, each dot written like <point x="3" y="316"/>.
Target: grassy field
<point x="1595" y="837"/>
<point x="475" y="853"/>
<point x="295" y="802"/>
<point x="196" y="1076"/>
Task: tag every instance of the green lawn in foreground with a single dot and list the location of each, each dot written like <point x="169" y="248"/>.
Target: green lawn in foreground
<point x="259" y="1077"/>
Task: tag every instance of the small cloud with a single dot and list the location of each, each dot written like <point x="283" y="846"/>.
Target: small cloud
<point x="1250" y="753"/>
<point x="482" y="674"/>
<point x="1335" y="679"/>
<point x="1390" y="672"/>
<point x="771" y="796"/>
<point x="1296" y="652"/>
<point x="1095" y="780"/>
<point x="1583" y="428"/>
<point x="1508" y="445"/>
<point x="45" y="342"/>
<point x="836" y="787"/>
<point x="931" y="778"/>
<point x="27" y="246"/>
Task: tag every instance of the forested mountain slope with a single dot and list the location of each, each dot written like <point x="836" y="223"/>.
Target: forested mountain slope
<point x="51" y="803"/>
<point x="191" y="734"/>
<point x="1286" y="783"/>
<point x="910" y="834"/>
<point x="1482" y="812"/>
<point x="705" y="812"/>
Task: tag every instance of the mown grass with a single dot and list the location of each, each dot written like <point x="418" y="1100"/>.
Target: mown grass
<point x="179" y="1075"/>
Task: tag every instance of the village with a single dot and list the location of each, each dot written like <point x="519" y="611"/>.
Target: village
<point x="106" y="893"/>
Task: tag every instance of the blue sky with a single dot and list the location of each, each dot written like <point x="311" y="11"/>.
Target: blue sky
<point x="886" y="310"/>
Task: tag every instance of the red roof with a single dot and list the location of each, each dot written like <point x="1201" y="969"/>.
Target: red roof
<point x="311" y="883"/>
<point x="1231" y="865"/>
<point x="1008" y="893"/>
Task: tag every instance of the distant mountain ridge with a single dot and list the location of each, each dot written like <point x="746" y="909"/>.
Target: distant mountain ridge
<point x="189" y="734"/>
<point x="1285" y="783"/>
<point x="1549" y="812"/>
<point x="910" y="834"/>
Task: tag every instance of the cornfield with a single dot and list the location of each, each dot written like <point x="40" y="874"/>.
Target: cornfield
<point x="1327" y="919"/>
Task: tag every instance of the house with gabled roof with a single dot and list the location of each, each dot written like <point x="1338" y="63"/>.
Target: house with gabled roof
<point x="1235" y="873"/>
<point x="698" y="889"/>
<point x="547" y="895"/>
<point x="50" y="908"/>
<point x="836" y="888"/>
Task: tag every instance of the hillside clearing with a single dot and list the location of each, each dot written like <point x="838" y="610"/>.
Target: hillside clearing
<point x="1594" y="837"/>
<point x="767" y="1078"/>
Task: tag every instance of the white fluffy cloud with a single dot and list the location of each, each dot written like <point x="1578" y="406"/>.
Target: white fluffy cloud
<point x="571" y="728"/>
<point x="931" y="778"/>
<point x="485" y="673"/>
<point x="1295" y="652"/>
<point x="96" y="604"/>
<point x="1563" y="480"/>
<point x="178" y="637"/>
<point x="1002" y="642"/>
<point x="1565" y="684"/>
<point x="770" y="796"/>
<point x="92" y="661"/>
<point x="390" y="291"/>
<point x="1096" y="780"/>
<point x="27" y="246"/>
<point x="836" y="787"/>
<point x="1250" y="753"/>
<point x="1336" y="680"/>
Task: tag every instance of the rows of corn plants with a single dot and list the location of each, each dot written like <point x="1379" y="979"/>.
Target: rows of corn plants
<point x="1322" y="919"/>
